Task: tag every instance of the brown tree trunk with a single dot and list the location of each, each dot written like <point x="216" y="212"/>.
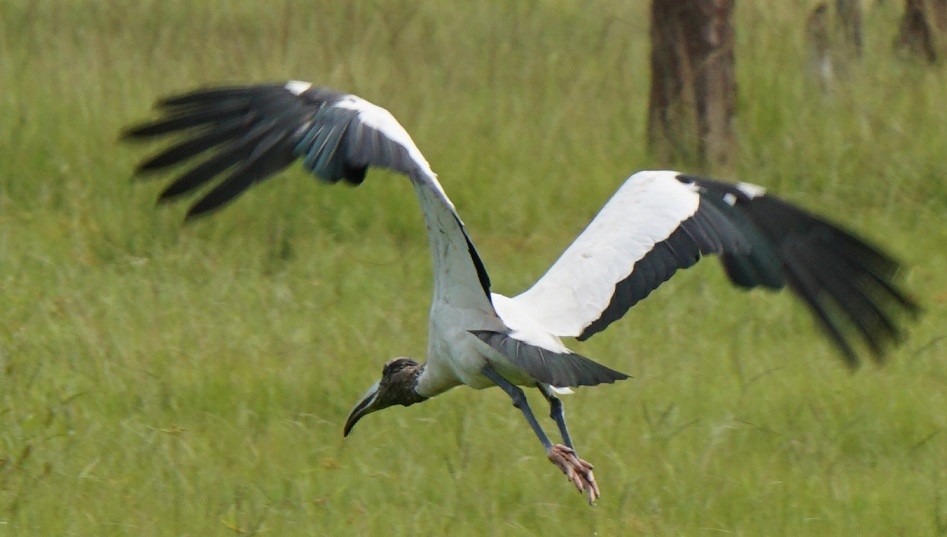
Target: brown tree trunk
<point x="821" y="65"/>
<point x="916" y="31"/>
<point x="693" y="89"/>
<point x="850" y="26"/>
<point x="939" y="9"/>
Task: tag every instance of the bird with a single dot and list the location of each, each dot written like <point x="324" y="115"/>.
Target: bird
<point x="229" y="138"/>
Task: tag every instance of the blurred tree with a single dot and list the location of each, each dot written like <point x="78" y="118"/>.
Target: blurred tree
<point x="850" y="26"/>
<point x="831" y="53"/>
<point x="817" y="37"/>
<point x="693" y="89"/>
<point x="939" y="7"/>
<point x="922" y="28"/>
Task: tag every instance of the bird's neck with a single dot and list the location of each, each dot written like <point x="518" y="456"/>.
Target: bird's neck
<point x="433" y="380"/>
<point x="414" y="396"/>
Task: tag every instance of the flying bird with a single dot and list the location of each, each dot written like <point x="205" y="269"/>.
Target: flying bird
<point x="656" y="223"/>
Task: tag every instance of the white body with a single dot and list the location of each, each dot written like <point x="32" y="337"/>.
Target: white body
<point x="573" y="293"/>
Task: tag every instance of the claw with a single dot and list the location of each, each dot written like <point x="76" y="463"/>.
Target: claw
<point x="578" y="471"/>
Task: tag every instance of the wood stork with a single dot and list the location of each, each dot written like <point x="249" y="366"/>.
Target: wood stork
<point x="656" y="223"/>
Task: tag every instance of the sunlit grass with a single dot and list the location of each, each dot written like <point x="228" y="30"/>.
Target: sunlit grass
<point x="161" y="379"/>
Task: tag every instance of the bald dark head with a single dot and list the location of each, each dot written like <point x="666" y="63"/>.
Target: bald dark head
<point x="399" y="378"/>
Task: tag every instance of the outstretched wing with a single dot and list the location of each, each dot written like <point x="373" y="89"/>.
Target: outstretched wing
<point x="253" y="132"/>
<point x="246" y="134"/>
<point x="662" y="221"/>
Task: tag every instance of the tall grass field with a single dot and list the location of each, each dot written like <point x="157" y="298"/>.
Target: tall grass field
<point x="163" y="379"/>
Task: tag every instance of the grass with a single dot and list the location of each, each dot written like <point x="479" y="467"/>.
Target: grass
<point x="160" y="379"/>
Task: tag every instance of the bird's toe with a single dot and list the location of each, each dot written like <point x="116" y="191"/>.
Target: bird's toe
<point x="578" y="471"/>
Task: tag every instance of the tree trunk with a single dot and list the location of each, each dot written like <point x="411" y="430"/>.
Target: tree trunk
<point x="916" y="33"/>
<point x="939" y="8"/>
<point x="693" y="89"/>
<point x="821" y="65"/>
<point x="850" y="26"/>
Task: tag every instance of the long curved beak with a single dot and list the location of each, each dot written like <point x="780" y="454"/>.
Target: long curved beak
<point x="363" y="408"/>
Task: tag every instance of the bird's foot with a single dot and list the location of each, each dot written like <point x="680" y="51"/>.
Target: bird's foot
<point x="577" y="470"/>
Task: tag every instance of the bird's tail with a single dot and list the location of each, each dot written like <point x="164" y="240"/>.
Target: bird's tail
<point x="560" y="369"/>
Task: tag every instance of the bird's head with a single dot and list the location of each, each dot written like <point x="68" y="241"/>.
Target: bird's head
<point x="397" y="385"/>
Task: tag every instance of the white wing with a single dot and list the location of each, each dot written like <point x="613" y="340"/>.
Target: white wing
<point x="662" y="221"/>
<point x="648" y="208"/>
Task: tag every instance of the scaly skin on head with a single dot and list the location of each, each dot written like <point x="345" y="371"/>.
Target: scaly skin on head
<point x="397" y="385"/>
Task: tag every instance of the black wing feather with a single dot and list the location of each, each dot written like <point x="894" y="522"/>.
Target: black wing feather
<point x="253" y="131"/>
<point x="269" y="157"/>
<point x="191" y="147"/>
<point x="847" y="283"/>
<point x="238" y="150"/>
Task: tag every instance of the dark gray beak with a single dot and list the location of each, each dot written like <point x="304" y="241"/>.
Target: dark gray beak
<point x="366" y="406"/>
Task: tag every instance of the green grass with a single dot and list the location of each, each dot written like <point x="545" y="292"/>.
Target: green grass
<point x="160" y="379"/>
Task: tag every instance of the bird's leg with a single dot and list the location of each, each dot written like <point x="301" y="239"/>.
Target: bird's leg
<point x="557" y="413"/>
<point x="564" y="457"/>
<point x="519" y="401"/>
